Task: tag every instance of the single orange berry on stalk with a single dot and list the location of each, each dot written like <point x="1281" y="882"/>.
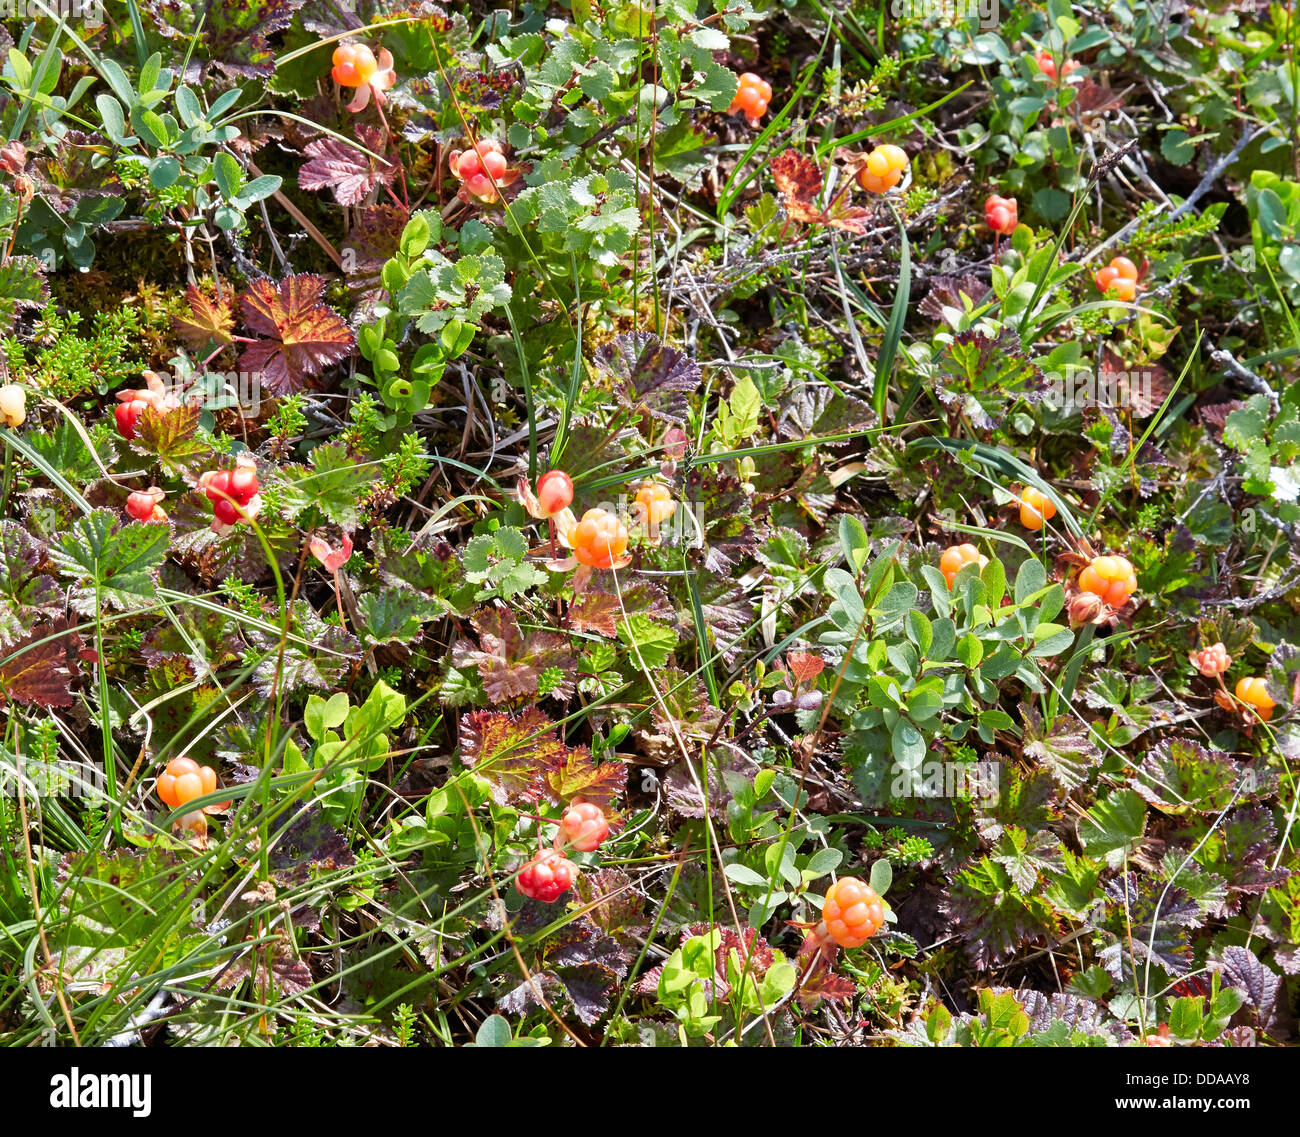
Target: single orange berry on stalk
<point x="1035" y="508"/>
<point x="1254" y="691"/>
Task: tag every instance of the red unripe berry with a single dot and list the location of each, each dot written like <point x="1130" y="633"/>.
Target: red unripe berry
<point x="141" y="506"/>
<point x="227" y="512"/>
<point x="554" y="492"/>
<point x="852" y="912"/>
<point x="127" y="415"/>
<point x="243" y="484"/>
<point x="583" y="826"/>
<point x="1001" y="214"/>
<point x="547" y="876"/>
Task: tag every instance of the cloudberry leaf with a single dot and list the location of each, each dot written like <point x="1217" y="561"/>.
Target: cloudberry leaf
<point x="510" y="663"/>
<point x="594" y="611"/>
<point x="36" y="669"/>
<point x="322" y="665"/>
<point x="302" y="334"/>
<point x="1112" y="828"/>
<point x="1178" y="776"/>
<point x="513" y="753"/>
<point x="649" y="375"/>
<point x="231" y="37"/>
<point x="22" y="285"/>
<point x="395" y="615"/>
<point x="170" y="437"/>
<point x="24" y="589"/>
<point x="344" y="168"/>
<point x="580" y="776"/>
<point x="212" y="320"/>
<point x="111" y="562"/>
<point x="335" y="484"/>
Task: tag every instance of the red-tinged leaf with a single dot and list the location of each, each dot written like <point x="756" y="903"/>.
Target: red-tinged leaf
<point x="799" y="181"/>
<point x="169" y="437"/>
<point x="302" y="334"/>
<point x="213" y="320"/>
<point x="823" y="984"/>
<point x="345" y="169"/>
<point x="511" y="664"/>
<point x="595" y="612"/>
<point x="36" y="672"/>
<point x="843" y="215"/>
<point x="513" y="753"/>
<point x="580" y="777"/>
<point x="804" y="666"/>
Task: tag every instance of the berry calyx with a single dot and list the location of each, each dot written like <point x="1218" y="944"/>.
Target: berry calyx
<point x="554" y="492"/>
<point x="1035" y="508"/>
<point x="354" y="64"/>
<point x="654" y="504"/>
<point x="1120" y="278"/>
<point x="599" y="539"/>
<point x="183" y="780"/>
<point x="1211" y="661"/>
<point x="955" y="557"/>
<point x="583" y="825"/>
<point x="752" y="98"/>
<point x="852" y="912"/>
<point x="547" y="877"/>
<point x="1001" y="214"/>
<point x="883" y="169"/>
<point x="13" y="405"/>
<point x="1254" y="692"/>
<point x="1112" y="579"/>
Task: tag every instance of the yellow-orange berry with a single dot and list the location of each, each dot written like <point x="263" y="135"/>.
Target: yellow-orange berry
<point x="1035" y="508"/>
<point x="183" y="780"/>
<point x="955" y="556"/>
<point x="1254" y="691"/>
<point x="654" y="504"/>
<point x="354" y="64"/>
<point x="883" y="169"/>
<point x="599" y="539"/>
<point x="1110" y="578"/>
<point x="852" y="912"/>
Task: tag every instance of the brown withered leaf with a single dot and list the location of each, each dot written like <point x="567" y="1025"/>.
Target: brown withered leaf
<point x="511" y="664"/>
<point x="38" y="668"/>
<point x="513" y="753"/>
<point x="595" y="611"/>
<point x="799" y="182"/>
